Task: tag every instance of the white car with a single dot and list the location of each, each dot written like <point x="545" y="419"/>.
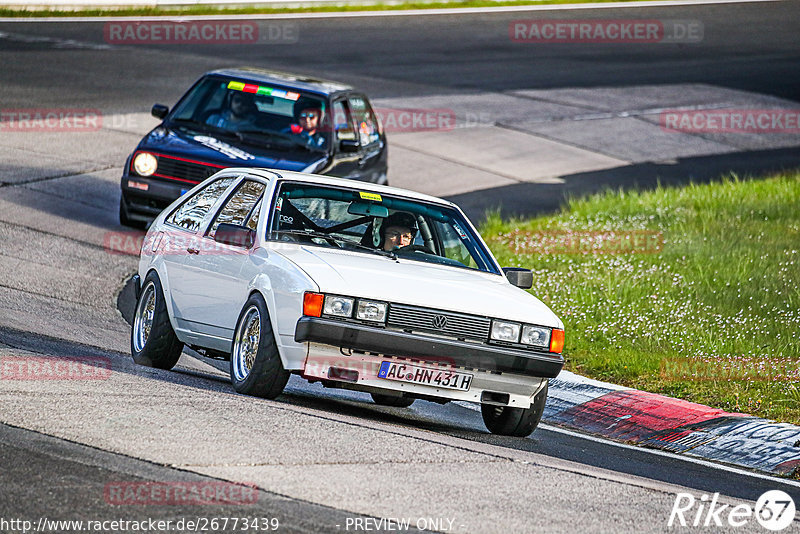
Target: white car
<point x="282" y="272"/>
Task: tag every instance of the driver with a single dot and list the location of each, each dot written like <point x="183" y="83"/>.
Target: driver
<point x="239" y="115"/>
<point x="308" y="129"/>
<point x="398" y="230"/>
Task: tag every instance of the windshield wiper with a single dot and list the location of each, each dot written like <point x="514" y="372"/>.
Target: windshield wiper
<point x="350" y="242"/>
<point x="243" y="134"/>
<point x="189" y="122"/>
<point x="260" y="139"/>
<point x="205" y="127"/>
<point x="280" y="135"/>
<point x="197" y="124"/>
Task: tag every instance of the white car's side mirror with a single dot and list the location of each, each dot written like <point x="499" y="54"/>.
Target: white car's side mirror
<point x="522" y="278"/>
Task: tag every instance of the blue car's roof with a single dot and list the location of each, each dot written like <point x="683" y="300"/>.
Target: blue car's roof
<point x="302" y="83"/>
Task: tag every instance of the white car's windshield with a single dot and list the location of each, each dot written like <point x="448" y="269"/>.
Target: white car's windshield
<point x="397" y="227"/>
<point x="255" y="114"/>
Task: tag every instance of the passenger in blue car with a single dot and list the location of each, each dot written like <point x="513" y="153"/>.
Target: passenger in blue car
<point x="308" y="127"/>
<point x="239" y="115"/>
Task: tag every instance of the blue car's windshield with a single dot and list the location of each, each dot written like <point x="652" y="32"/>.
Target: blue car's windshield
<point x="255" y="114"/>
<point x="399" y="227"/>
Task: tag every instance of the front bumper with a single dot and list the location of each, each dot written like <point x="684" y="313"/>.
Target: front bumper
<point x="458" y="353"/>
<point x="147" y="204"/>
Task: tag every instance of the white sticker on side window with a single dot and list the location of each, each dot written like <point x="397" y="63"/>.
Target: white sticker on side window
<point x="460" y="231"/>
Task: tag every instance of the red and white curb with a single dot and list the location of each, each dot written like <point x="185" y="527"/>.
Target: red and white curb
<point x="674" y="425"/>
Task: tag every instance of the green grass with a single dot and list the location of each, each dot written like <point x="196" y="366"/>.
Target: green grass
<point x="712" y="317"/>
<point x="214" y="10"/>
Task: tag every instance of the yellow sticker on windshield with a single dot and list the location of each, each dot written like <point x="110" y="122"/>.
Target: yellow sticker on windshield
<point x="370" y="196"/>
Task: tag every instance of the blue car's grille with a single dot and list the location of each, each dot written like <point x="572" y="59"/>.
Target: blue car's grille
<point x="184" y="170"/>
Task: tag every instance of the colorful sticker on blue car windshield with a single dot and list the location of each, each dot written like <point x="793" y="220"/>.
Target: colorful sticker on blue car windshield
<point x="263" y="90"/>
<point x="460" y="231"/>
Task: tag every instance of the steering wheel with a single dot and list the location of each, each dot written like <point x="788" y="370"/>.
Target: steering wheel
<point x="414" y="248"/>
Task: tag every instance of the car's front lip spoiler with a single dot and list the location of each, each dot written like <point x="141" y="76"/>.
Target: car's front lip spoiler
<point x="393" y="343"/>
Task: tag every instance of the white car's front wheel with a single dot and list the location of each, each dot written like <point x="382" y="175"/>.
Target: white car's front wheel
<point x="256" y="367"/>
<point x="519" y="422"/>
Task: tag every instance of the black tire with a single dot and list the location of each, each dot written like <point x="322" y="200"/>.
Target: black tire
<point x="124" y="220"/>
<point x="256" y="367"/>
<point x="391" y="400"/>
<point x="518" y="422"/>
<point x="156" y="346"/>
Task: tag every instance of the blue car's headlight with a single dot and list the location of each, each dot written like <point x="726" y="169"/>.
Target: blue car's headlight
<point x="145" y="164"/>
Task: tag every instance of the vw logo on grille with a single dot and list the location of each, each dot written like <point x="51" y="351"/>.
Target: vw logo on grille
<point x="439" y="321"/>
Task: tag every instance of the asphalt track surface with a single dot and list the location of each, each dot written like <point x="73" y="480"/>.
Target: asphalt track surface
<point x="749" y="47"/>
<point x="752" y="47"/>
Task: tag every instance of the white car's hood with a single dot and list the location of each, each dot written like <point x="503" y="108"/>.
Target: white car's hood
<point x="418" y="283"/>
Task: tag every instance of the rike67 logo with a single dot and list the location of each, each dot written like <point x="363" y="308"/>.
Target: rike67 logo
<point x="774" y="510"/>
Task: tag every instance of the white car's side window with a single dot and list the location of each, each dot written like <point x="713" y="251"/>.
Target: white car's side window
<point x="453" y="246"/>
<point x="191" y="213"/>
<point x="239" y="206"/>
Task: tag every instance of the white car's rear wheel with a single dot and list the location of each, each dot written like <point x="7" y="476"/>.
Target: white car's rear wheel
<point x="256" y="367"/>
<point x="153" y="341"/>
<point x="519" y="422"/>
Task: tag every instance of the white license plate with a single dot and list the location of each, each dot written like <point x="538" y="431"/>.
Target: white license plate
<point x="414" y="374"/>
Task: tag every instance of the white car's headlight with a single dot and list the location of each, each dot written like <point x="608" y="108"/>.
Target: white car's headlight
<point x="370" y="310"/>
<point x="145" y="164"/>
<point x="338" y="306"/>
<point x="536" y="336"/>
<point x="505" y="331"/>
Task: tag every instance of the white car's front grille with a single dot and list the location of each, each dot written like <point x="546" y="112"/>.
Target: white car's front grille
<point x="439" y="322"/>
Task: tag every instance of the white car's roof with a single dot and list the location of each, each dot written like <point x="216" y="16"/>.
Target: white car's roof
<point x="271" y="174"/>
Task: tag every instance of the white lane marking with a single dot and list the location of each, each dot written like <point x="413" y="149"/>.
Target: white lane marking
<point x="398" y="13"/>
<point x="673" y="456"/>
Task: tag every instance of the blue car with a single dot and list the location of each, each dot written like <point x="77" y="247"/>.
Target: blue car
<point x="249" y="117"/>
